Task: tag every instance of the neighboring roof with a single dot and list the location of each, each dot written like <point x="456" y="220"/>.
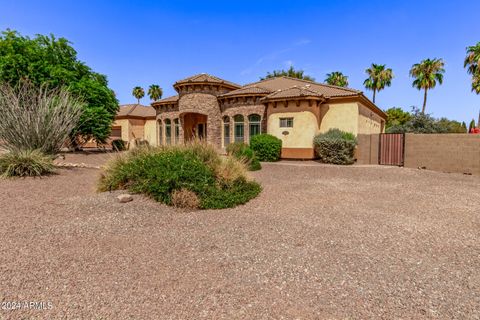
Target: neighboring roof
<point x="294" y="92"/>
<point x="135" y="111"/>
<point x="171" y="99"/>
<point x="206" y="78"/>
<point x="247" y="91"/>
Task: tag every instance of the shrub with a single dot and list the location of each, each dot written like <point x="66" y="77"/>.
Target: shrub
<point x="244" y="153"/>
<point x="29" y="163"/>
<point x="118" y="145"/>
<point x="266" y="147"/>
<point x="37" y="118"/>
<point x="162" y="172"/>
<point x="335" y="146"/>
<point x="185" y="198"/>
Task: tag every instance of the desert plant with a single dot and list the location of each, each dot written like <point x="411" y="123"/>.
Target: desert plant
<point x="335" y="146"/>
<point x="184" y="198"/>
<point x="244" y="153"/>
<point x="25" y="163"/>
<point x="37" y="118"/>
<point x="266" y="147"/>
<point x="160" y="172"/>
<point x="118" y="145"/>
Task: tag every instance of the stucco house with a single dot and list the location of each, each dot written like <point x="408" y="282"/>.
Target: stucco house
<point x="135" y="121"/>
<point x="293" y="110"/>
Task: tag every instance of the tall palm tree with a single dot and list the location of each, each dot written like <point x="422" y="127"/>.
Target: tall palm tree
<point x="155" y="92"/>
<point x="472" y="61"/>
<point x="427" y="73"/>
<point x="138" y="93"/>
<point x="337" y="78"/>
<point x="379" y="77"/>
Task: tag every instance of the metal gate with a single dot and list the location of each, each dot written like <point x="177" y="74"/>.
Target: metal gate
<point x="391" y="149"/>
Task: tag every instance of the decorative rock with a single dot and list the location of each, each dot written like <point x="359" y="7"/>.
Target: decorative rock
<point x="123" y="198"/>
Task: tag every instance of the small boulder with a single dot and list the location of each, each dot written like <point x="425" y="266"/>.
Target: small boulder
<point x="123" y="198"/>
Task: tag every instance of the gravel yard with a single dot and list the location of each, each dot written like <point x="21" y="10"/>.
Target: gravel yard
<point x="320" y="242"/>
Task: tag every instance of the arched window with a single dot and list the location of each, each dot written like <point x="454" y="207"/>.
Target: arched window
<point x="239" y="128"/>
<point x="254" y="126"/>
<point x="177" y="131"/>
<point x="168" y="132"/>
<point x="226" y="131"/>
<point x="160" y="132"/>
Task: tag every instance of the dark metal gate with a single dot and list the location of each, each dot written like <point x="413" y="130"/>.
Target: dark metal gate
<point x="391" y="149"/>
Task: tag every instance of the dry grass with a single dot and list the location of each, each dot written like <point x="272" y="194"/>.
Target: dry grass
<point x="25" y="163"/>
<point x="185" y="199"/>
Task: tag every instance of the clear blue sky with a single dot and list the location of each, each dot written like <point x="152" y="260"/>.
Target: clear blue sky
<point x="143" y="42"/>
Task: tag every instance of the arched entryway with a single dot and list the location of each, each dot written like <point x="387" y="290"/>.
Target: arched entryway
<point x="194" y="126"/>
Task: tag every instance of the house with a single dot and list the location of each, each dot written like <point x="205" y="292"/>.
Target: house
<point x="135" y="121"/>
<point x="294" y="110"/>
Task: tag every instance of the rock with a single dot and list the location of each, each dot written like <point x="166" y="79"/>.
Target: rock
<point x="124" y="198"/>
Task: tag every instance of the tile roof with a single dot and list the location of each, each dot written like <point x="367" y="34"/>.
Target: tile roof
<point x="136" y="110"/>
<point x="294" y="92"/>
<point x="171" y="99"/>
<point x="247" y="90"/>
<point x="282" y="83"/>
<point x="204" y="77"/>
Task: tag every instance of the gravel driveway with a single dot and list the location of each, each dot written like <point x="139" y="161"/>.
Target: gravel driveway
<point x="320" y="242"/>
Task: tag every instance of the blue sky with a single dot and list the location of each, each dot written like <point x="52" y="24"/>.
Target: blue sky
<point x="145" y="42"/>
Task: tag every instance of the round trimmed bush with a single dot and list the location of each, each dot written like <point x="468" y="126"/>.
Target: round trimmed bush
<point x="266" y="147"/>
<point x="335" y="146"/>
<point x="244" y="153"/>
<point x="177" y="175"/>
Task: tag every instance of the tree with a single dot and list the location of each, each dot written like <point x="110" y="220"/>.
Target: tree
<point x="472" y="60"/>
<point x="427" y="73"/>
<point x="379" y="77"/>
<point x="291" y="72"/>
<point x="52" y="62"/>
<point x="155" y="92"/>
<point x="337" y="78"/>
<point x="396" y="117"/>
<point x="464" y="126"/>
<point x="471" y="125"/>
<point x="138" y="93"/>
<point x="451" y="126"/>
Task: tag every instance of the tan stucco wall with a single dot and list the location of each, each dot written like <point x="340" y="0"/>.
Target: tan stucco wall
<point x="305" y="126"/>
<point x="150" y="132"/>
<point x="124" y="123"/>
<point x="343" y="116"/>
<point x="368" y="121"/>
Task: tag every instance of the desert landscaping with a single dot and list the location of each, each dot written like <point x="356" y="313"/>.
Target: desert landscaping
<point x="320" y="241"/>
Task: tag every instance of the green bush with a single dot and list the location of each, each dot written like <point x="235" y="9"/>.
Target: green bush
<point x="162" y="172"/>
<point x="335" y="146"/>
<point x="29" y="163"/>
<point x="244" y="153"/>
<point x="118" y="145"/>
<point x="266" y="147"/>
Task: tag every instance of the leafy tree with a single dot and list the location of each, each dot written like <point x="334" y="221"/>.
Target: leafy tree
<point x="471" y="63"/>
<point x="138" y="93"/>
<point x="451" y="126"/>
<point x="464" y="126"/>
<point x="291" y="72"/>
<point x="46" y="60"/>
<point x="155" y="92"/>
<point x="379" y="77"/>
<point x="337" y="78"/>
<point x="426" y="74"/>
<point x="471" y="125"/>
<point x="396" y="117"/>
